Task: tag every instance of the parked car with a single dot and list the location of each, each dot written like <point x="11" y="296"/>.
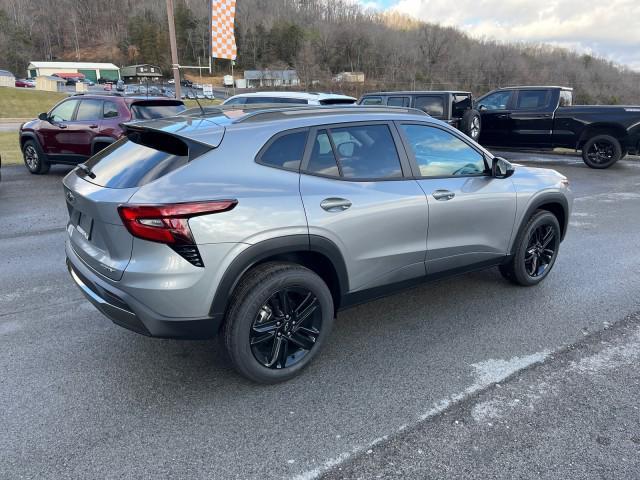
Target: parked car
<point x="120" y="85"/>
<point x="88" y="82"/>
<point x="545" y="118"/>
<point x="453" y="107"/>
<point x="24" y="83"/>
<point x="262" y="224"/>
<point x="294" y="98"/>
<point x="83" y="124"/>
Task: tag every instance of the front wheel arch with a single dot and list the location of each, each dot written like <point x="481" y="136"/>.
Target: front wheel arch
<point x="552" y="202"/>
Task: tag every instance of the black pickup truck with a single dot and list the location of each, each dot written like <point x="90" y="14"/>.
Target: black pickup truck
<point x="545" y="117"/>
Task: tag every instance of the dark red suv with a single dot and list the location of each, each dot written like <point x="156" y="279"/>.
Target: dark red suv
<point x="83" y="124"/>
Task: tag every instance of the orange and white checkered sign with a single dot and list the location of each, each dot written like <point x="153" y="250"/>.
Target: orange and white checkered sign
<point x="223" y="39"/>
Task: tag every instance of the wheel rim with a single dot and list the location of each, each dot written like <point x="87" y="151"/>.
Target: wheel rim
<point x="541" y="250"/>
<point x="601" y="152"/>
<point x="286" y="328"/>
<point x="475" y="127"/>
<point x="31" y="157"/>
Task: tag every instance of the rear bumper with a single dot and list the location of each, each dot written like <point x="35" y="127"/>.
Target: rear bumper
<point x="125" y="311"/>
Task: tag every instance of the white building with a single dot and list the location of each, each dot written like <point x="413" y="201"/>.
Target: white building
<point x="91" y="71"/>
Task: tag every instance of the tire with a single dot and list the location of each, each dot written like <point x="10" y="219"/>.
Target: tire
<point x="256" y="325"/>
<point x="601" y="151"/>
<point x="471" y="124"/>
<point x="521" y="269"/>
<point x="34" y="158"/>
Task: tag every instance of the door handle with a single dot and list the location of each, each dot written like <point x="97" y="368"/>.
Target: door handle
<point x="502" y="116"/>
<point x="93" y="126"/>
<point x="443" y="195"/>
<point x="335" y="204"/>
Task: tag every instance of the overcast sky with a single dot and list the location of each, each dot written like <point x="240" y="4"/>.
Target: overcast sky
<point x="610" y="29"/>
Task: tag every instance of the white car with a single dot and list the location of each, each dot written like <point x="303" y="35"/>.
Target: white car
<point x="295" y="98"/>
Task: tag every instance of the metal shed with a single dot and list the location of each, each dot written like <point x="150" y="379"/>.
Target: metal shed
<point x="92" y="71"/>
<point x="7" y="79"/>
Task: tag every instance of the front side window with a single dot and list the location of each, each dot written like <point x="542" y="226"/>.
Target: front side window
<point x="495" y="101"/>
<point x="286" y="151"/>
<point x="64" y="111"/>
<point x="89" y="110"/>
<point x="434" y="106"/>
<point x="356" y="152"/>
<point x="532" y="99"/>
<point x="439" y="153"/>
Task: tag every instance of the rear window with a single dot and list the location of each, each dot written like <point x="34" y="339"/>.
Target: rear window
<point x="138" y="159"/>
<point x="150" y="110"/>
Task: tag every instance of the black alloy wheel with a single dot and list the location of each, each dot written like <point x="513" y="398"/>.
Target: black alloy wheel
<point x="601" y="151"/>
<point x="535" y="250"/>
<point x="279" y="317"/>
<point x="541" y="250"/>
<point x="286" y="328"/>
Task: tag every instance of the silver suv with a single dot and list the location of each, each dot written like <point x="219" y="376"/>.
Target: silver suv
<point x="262" y="224"/>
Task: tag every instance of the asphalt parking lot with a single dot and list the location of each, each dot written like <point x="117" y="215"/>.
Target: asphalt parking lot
<point x="83" y="398"/>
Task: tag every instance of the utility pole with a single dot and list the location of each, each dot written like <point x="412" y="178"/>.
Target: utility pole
<point x="174" y="48"/>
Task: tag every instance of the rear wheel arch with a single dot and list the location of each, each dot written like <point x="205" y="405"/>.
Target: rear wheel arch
<point x="313" y="252"/>
<point x="99" y="143"/>
<point x="616" y="131"/>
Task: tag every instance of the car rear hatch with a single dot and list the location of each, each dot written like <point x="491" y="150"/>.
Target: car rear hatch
<point x="95" y="190"/>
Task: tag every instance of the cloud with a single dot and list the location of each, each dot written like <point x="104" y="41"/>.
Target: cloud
<point x="608" y="29"/>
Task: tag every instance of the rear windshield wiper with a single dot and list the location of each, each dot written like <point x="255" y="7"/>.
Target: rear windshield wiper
<point x="86" y="170"/>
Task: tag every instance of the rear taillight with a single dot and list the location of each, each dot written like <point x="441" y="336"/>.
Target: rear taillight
<point x="169" y="223"/>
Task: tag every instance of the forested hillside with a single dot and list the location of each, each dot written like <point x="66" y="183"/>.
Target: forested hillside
<point x="317" y="37"/>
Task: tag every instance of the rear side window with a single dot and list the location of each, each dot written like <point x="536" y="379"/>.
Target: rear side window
<point x="566" y="98"/>
<point x="285" y="151"/>
<point x="151" y="110"/>
<point x="137" y="159"/>
<point x="89" y="110"/>
<point x="110" y="110"/>
<point x="371" y="101"/>
<point x="434" y="106"/>
<point x="358" y="152"/>
<point x="398" y="101"/>
<point x="531" y="99"/>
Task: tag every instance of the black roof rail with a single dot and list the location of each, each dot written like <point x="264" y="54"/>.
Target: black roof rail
<point x="284" y="112"/>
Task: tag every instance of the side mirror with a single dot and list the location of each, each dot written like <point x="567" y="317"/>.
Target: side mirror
<point x="482" y="108"/>
<point x="44" y="117"/>
<point x="501" y="168"/>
